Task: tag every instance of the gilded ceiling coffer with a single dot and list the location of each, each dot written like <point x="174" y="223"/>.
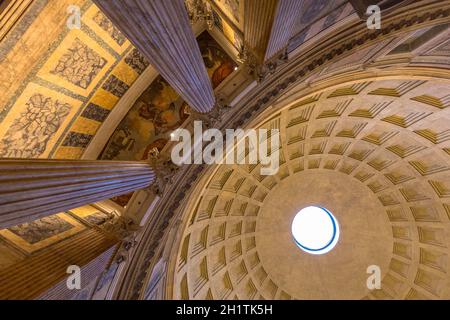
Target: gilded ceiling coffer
<point x="32" y="189"/>
<point x="160" y="29"/>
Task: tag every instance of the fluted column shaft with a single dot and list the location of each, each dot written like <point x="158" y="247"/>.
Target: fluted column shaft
<point x="31" y="189"/>
<point x="269" y="25"/>
<point x="160" y="29"/>
<point x="287" y="14"/>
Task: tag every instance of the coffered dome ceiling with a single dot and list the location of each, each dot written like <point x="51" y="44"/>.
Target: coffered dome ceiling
<point x="377" y="154"/>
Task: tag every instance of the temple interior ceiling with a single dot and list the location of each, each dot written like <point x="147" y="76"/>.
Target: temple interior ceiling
<point x="59" y="85"/>
<point x="376" y="153"/>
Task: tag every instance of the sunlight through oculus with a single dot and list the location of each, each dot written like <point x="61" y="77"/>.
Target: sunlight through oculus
<point x="315" y="230"/>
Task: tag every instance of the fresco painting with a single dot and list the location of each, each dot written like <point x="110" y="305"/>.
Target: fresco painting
<point x="218" y="64"/>
<point x="317" y="15"/>
<point x="225" y="28"/>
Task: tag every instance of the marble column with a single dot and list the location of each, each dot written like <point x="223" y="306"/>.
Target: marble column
<point x="269" y="25"/>
<point x="32" y="189"/>
<point x="160" y="29"/>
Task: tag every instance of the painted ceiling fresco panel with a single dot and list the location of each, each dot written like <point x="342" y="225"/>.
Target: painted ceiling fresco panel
<point x="234" y="10"/>
<point x="27" y="42"/>
<point x="77" y="64"/>
<point x="28" y="238"/>
<point x="104" y="99"/>
<point x="85" y="71"/>
<point x="58" y="85"/>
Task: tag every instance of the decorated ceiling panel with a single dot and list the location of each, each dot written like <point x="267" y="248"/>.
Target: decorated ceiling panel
<point x="160" y="110"/>
<point x="375" y="153"/>
<point x="58" y="85"/>
<point x="60" y="81"/>
<point x="24" y="240"/>
<point x="234" y="10"/>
